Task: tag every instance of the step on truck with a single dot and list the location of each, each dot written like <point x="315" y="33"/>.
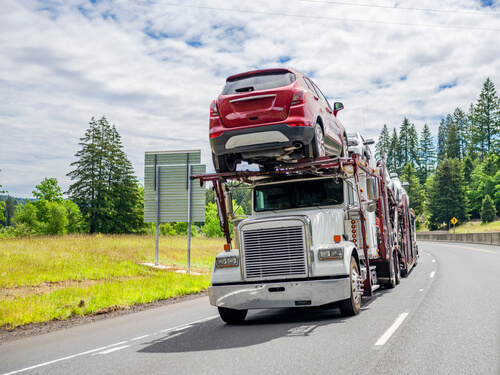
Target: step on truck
<point x="330" y="230"/>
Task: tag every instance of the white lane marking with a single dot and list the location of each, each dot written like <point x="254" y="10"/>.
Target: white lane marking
<point x="112" y="350"/>
<point x="432" y="274"/>
<point x="387" y="335"/>
<point x="55" y="361"/>
<point x="140" y="337"/>
<point x="420" y="290"/>
<point x="102" y="348"/>
<point x="434" y="261"/>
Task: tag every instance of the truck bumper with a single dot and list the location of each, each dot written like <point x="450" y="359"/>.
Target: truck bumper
<point x="277" y="295"/>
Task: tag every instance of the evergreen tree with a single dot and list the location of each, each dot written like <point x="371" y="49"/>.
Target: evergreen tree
<point x="488" y="210"/>
<point x="393" y="161"/>
<point x="427" y="154"/>
<point x="487" y="118"/>
<point x="384" y="142"/>
<point x="442" y="137"/>
<point x="414" y="145"/>
<point x="468" y="168"/>
<point x="2" y="207"/>
<point x="105" y="188"/>
<point x="10" y="209"/>
<point x="461" y="122"/>
<point x="447" y="193"/>
<point x="452" y="148"/>
<point x="404" y="142"/>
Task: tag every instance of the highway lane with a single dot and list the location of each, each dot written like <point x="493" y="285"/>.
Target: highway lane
<point x="444" y="318"/>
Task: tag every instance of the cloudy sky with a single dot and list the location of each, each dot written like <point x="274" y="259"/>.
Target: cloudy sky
<point x="153" y="67"/>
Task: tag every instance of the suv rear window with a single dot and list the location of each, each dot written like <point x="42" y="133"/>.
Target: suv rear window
<point x="260" y="81"/>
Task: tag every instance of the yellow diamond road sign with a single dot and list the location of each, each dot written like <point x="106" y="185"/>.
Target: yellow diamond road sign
<point x="454" y="220"/>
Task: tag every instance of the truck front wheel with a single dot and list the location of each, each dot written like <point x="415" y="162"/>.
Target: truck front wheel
<point x="232" y="316"/>
<point x="352" y="305"/>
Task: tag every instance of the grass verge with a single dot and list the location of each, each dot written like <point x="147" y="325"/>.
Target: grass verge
<point x="47" y="278"/>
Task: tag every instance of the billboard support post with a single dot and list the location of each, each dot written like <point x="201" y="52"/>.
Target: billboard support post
<point x="157" y="231"/>
<point x="189" y="222"/>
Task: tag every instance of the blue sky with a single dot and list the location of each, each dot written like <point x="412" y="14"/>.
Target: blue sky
<point x="152" y="68"/>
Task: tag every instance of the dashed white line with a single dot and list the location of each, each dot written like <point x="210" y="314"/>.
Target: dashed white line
<point x="432" y="274"/>
<point x="140" y="337"/>
<point x="387" y="335"/>
<point x="112" y="350"/>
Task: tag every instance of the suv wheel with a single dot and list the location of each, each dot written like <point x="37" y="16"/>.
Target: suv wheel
<point x="224" y="163"/>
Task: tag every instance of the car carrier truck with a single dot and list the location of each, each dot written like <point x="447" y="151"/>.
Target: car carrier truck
<point x="330" y="230"/>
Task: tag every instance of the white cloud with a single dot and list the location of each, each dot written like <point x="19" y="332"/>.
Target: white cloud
<point x="153" y="69"/>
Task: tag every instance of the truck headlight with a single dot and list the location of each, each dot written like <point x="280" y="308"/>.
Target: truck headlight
<point x="332" y="253"/>
<point x="231" y="261"/>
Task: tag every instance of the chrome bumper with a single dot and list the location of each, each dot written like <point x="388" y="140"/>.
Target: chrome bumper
<point x="276" y="295"/>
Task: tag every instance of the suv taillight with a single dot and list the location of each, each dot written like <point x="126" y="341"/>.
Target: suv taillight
<point x="298" y="97"/>
<point x="213" y="109"/>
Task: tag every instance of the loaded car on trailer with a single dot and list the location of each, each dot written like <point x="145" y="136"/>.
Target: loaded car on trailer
<point x="273" y="116"/>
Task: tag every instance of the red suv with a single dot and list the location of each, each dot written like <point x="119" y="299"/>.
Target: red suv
<point x="270" y="117"/>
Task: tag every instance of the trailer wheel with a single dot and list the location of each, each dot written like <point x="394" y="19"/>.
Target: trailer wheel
<point x="232" y="316"/>
<point x="352" y="305"/>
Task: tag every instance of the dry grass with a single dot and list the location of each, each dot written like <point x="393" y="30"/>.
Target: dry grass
<point x="45" y="278"/>
<point x="477" y="227"/>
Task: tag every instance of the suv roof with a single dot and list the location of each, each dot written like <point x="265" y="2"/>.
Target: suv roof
<point x="258" y="80"/>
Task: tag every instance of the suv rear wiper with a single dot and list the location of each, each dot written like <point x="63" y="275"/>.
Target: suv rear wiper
<point x="245" y="89"/>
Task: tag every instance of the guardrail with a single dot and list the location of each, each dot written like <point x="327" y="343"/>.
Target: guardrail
<point x="491" y="238"/>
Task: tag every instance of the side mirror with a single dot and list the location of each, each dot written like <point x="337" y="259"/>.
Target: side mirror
<point x="394" y="175"/>
<point x="406" y="184"/>
<point x="371" y="207"/>
<point x="369" y="141"/>
<point x="337" y="106"/>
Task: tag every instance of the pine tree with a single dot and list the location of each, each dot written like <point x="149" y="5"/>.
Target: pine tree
<point x="442" y="136"/>
<point x="447" y="193"/>
<point x="487" y="117"/>
<point x="404" y="142"/>
<point x="394" y="153"/>
<point x="384" y="142"/>
<point x="461" y="122"/>
<point x="105" y="188"/>
<point x="452" y="144"/>
<point x="488" y="210"/>
<point x="427" y="154"/>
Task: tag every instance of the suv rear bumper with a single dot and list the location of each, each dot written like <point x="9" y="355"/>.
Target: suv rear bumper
<point x="277" y="295"/>
<point x="259" y="138"/>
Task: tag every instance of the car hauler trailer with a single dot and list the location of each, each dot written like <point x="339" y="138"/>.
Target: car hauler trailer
<point x="325" y="231"/>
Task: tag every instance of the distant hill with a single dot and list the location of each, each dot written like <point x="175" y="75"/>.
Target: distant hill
<point x="16" y="200"/>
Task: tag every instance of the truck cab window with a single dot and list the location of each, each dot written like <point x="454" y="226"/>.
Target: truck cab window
<point x="298" y="194"/>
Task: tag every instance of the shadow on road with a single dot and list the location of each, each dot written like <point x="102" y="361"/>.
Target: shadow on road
<point x="260" y="326"/>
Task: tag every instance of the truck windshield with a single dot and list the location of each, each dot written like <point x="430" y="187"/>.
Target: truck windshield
<point x="309" y="193"/>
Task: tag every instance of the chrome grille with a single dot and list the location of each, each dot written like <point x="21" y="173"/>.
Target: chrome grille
<point x="274" y="253"/>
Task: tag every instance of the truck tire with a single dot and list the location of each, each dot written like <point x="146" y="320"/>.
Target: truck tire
<point x="232" y="316"/>
<point x="397" y="269"/>
<point x="352" y="305"/>
<point x="392" y="272"/>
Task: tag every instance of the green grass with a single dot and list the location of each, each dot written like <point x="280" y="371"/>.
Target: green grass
<point x="477" y="227"/>
<point x="46" y="278"/>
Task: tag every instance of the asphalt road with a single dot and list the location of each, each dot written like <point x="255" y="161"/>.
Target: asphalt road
<point x="444" y="318"/>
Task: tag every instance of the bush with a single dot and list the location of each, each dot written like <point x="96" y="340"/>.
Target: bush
<point x="488" y="210"/>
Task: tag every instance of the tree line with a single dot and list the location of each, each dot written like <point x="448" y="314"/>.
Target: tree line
<point x="459" y="176"/>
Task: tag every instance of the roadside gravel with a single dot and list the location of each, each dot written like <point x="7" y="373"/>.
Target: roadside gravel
<point x="34" y="329"/>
